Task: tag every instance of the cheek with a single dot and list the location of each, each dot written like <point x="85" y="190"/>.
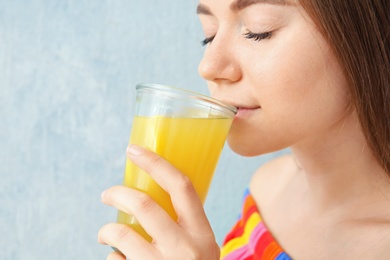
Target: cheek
<point x="301" y="93"/>
<point x="294" y="80"/>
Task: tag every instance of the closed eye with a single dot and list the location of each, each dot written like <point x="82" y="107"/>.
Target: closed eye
<point x="207" y="40"/>
<point x="257" y="36"/>
<point x="248" y="35"/>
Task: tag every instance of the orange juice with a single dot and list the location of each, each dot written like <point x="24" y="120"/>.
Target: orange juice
<point x="192" y="145"/>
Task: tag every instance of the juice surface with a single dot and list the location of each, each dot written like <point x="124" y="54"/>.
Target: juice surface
<point x="192" y="145"/>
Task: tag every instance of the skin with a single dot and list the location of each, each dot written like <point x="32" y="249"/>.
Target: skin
<point x="330" y="196"/>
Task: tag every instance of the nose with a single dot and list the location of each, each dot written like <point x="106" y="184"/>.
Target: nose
<point x="219" y="63"/>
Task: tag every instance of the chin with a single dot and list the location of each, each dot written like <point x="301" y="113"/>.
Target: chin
<point x="243" y="149"/>
<point x="251" y="149"/>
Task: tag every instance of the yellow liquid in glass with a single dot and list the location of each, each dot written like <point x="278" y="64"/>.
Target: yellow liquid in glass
<point x="192" y="145"/>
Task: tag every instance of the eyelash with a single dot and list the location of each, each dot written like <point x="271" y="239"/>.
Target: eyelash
<point x="258" y="36"/>
<point x="249" y="35"/>
<point x="207" y="40"/>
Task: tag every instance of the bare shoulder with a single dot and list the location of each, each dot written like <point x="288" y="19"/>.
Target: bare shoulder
<point x="270" y="179"/>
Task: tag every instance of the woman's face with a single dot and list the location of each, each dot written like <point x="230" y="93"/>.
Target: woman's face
<point x="267" y="58"/>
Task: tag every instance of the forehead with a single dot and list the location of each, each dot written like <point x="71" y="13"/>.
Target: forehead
<point x="241" y="4"/>
<point x="238" y="5"/>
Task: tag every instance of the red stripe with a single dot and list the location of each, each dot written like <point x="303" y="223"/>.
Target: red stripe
<point x="266" y="247"/>
<point x="262" y="245"/>
<point x="237" y="231"/>
<point x="248" y="209"/>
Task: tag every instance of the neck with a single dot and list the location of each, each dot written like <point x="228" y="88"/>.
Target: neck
<point x="342" y="170"/>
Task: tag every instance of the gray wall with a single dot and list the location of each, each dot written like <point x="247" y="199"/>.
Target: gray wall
<point x="67" y="74"/>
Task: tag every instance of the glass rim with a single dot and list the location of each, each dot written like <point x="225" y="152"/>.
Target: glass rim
<point x="179" y="92"/>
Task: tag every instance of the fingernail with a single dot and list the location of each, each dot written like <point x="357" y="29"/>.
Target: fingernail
<point x="135" y="150"/>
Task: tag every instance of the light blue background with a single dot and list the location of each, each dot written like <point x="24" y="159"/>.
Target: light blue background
<point x="67" y="74"/>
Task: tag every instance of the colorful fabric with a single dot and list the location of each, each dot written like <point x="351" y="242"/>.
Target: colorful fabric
<point x="249" y="239"/>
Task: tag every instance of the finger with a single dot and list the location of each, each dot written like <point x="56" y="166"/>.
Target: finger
<point x="127" y="241"/>
<point x="116" y="256"/>
<point x="154" y="219"/>
<point x="185" y="200"/>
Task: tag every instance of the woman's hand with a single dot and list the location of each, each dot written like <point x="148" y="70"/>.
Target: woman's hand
<point x="191" y="237"/>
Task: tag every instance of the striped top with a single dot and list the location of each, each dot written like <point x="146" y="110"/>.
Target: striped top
<point x="249" y="239"/>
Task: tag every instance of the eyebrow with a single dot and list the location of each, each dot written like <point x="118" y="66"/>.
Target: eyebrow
<point x="241" y="4"/>
<point x="202" y="9"/>
<point x="238" y="5"/>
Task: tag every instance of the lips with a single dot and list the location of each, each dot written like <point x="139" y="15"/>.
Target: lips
<point x="242" y="109"/>
<point x="245" y="111"/>
<point x="247" y="108"/>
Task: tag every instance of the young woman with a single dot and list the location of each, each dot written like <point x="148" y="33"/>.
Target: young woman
<point x="312" y="75"/>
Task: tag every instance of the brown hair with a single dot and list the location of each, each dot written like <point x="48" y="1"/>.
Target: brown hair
<point x="359" y="33"/>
